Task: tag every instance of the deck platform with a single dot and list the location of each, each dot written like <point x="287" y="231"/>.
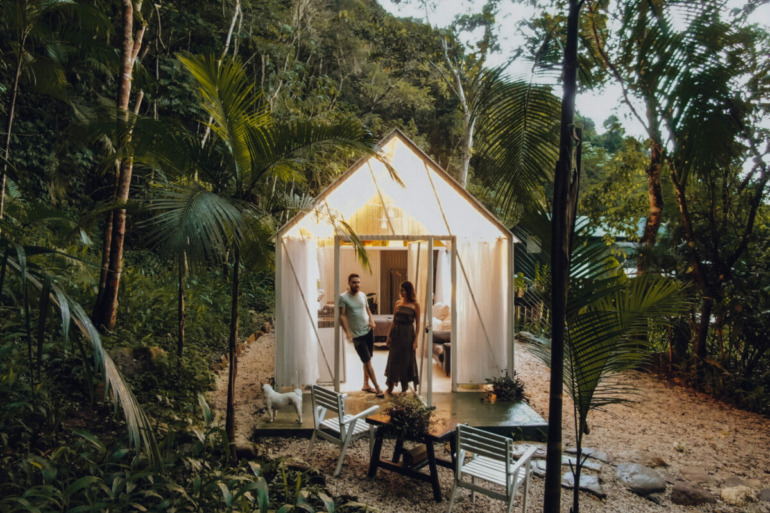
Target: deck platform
<point x="515" y="419"/>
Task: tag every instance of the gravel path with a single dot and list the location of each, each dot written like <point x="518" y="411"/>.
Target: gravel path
<point x="674" y="430"/>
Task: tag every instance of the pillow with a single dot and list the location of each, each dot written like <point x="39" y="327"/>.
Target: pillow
<point x="436" y="323"/>
<point x="441" y="311"/>
<point x="446" y="325"/>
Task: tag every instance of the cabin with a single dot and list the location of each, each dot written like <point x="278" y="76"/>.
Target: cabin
<point x="416" y="223"/>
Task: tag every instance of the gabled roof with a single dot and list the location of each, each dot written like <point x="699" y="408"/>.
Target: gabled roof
<point x="367" y="198"/>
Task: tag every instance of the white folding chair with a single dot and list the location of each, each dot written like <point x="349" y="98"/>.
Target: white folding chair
<point x="491" y="460"/>
<point x="341" y="429"/>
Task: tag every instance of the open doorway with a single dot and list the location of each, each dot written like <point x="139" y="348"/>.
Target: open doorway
<point x="390" y="266"/>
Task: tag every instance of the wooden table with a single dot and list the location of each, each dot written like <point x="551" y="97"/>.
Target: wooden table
<point x="440" y="430"/>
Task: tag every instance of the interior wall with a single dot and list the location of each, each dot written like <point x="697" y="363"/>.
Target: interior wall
<point x="370" y="279"/>
<point x="391" y="259"/>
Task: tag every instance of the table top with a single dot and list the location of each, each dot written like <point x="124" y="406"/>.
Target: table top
<point x="439" y="429"/>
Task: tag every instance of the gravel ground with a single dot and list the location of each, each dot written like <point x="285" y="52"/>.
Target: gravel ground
<point x="669" y="428"/>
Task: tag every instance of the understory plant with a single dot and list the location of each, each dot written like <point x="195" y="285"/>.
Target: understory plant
<point x="89" y="473"/>
<point x="608" y="320"/>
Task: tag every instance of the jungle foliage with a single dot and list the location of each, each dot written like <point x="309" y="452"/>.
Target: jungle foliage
<point x="237" y="112"/>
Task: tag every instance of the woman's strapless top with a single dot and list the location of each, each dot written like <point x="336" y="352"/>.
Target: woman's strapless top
<point x="403" y="315"/>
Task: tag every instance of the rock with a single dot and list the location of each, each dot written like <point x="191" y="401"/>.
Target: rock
<point x="246" y="450"/>
<point x="698" y="476"/>
<point x="587" y="484"/>
<point x="738" y="495"/>
<point x="587" y="464"/>
<point x="520" y="448"/>
<point x="669" y="477"/>
<point x="592" y="453"/>
<point x="640" y="479"/>
<point x="655" y="461"/>
<point x="266" y="327"/>
<point x="734" y="481"/>
<point x="137" y="360"/>
<point x="688" y="494"/>
<point x="764" y="495"/>
<point x="538" y="466"/>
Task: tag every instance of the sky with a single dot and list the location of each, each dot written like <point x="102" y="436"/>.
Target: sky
<point x="597" y="105"/>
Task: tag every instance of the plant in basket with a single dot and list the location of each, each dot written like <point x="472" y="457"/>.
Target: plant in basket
<point x="409" y="418"/>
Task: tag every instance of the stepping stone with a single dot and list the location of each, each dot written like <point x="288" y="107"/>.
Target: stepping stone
<point x="738" y="495"/>
<point x="640" y="479"/>
<point x="688" y="494"/>
<point x="587" y="464"/>
<point x="520" y="448"/>
<point x="538" y="466"/>
<point x="588" y="484"/>
<point x="592" y="453"/>
<point x="734" y="481"/>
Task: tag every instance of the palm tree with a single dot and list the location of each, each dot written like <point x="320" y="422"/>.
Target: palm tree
<point x="220" y="207"/>
<point x="608" y="320"/>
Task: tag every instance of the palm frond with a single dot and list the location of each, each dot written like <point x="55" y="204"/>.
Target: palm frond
<point x="189" y="217"/>
<point x="228" y="98"/>
<point x="280" y="143"/>
<point x="139" y="427"/>
<point x="515" y="144"/>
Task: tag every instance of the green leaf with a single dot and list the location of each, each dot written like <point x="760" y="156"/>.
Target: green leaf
<point x="80" y="484"/>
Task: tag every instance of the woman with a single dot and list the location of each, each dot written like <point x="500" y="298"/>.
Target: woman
<point x="402" y="341"/>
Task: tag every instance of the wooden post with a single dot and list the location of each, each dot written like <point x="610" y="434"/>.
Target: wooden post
<point x="336" y="313"/>
<point x="280" y="342"/>
<point x="511" y="299"/>
<point x="454" y="351"/>
<point x="428" y="330"/>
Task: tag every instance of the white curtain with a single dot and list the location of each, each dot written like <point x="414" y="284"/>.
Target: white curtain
<point x="482" y="328"/>
<point x="417" y="273"/>
<point x="443" y="278"/>
<point x="299" y="313"/>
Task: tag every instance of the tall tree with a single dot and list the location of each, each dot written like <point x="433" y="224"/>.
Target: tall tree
<point x="106" y="307"/>
<point x="566" y="185"/>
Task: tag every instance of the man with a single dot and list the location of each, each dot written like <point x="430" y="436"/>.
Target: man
<point x="358" y="323"/>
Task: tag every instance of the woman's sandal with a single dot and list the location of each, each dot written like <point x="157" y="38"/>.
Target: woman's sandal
<point x="380" y="394"/>
<point x="369" y="390"/>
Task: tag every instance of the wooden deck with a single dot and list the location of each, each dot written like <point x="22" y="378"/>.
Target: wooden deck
<point x="516" y="420"/>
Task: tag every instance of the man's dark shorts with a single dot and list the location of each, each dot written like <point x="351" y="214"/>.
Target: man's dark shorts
<point x="364" y="346"/>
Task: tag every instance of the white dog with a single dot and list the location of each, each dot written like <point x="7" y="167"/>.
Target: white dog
<point x="276" y="401"/>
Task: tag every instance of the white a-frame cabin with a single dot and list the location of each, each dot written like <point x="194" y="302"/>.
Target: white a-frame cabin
<point x="426" y="229"/>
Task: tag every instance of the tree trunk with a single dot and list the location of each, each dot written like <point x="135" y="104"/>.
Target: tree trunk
<point x="180" y="312"/>
<point x="655" y="194"/>
<point x="105" y="310"/>
<point x="699" y="348"/>
<point x="230" y="414"/>
<point x="566" y="183"/>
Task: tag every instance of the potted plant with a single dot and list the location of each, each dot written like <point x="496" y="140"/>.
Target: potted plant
<point x="409" y="418"/>
<point x="507" y="387"/>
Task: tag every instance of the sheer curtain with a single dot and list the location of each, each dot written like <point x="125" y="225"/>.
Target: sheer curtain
<point x="299" y="288"/>
<point x="482" y="333"/>
<point x="443" y="278"/>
